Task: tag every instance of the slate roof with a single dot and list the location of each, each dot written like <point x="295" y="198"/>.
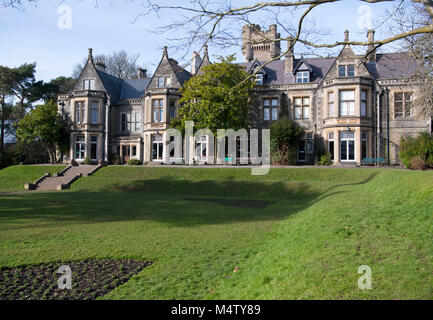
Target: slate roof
<point x="134" y="88"/>
<point x="276" y="75"/>
<point x="181" y="74"/>
<point x="387" y="66"/>
<point x="392" y="66"/>
<point x="112" y="84"/>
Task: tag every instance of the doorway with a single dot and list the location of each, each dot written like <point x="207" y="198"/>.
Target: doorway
<point x="157" y="147"/>
<point x="347" y="146"/>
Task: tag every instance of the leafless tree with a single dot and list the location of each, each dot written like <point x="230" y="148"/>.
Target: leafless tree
<point x="17" y="4"/>
<point x="411" y="16"/>
<point x="119" y="64"/>
<point x="206" y="21"/>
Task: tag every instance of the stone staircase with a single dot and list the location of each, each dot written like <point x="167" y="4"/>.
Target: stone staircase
<point x="62" y="179"/>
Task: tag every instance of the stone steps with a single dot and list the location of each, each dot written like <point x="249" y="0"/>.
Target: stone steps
<point x="55" y="182"/>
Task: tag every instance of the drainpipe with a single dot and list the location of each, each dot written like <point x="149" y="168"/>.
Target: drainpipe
<point x="387" y="125"/>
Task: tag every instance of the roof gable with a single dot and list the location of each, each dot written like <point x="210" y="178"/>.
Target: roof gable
<point x="169" y="68"/>
<point x="89" y="72"/>
<point x="302" y="66"/>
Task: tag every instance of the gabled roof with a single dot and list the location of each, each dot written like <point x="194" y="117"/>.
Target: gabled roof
<point x="300" y="63"/>
<point x="169" y="67"/>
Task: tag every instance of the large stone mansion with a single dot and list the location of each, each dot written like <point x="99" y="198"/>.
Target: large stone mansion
<point x="341" y="102"/>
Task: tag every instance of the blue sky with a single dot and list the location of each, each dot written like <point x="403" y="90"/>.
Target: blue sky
<point x="33" y="35"/>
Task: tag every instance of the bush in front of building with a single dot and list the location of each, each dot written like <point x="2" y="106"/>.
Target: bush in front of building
<point x="87" y="160"/>
<point x="417" y="153"/>
<point x="286" y="134"/>
<point x="325" y="159"/>
<point x="134" y="162"/>
<point x="416" y="163"/>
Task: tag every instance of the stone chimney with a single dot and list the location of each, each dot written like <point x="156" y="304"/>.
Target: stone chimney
<point x="164" y="51"/>
<point x="289" y="57"/>
<point x="370" y="48"/>
<point x="90" y="54"/>
<point x="195" y="63"/>
<point x="100" y="65"/>
<point x="346" y="35"/>
<point x="205" y="52"/>
<point x="141" y="73"/>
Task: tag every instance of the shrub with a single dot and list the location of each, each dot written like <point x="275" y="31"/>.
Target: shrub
<point x="286" y="134"/>
<point x="416" y="163"/>
<point x="134" y="162"/>
<point x="325" y="159"/>
<point x="87" y="160"/>
<point x="115" y="159"/>
<point x="421" y="146"/>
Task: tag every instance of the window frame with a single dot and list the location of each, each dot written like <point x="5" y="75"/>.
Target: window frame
<point x="164" y="85"/>
<point x="94" y="111"/>
<point x="331" y="103"/>
<point x="172" y="107"/>
<point x="341" y="100"/>
<point x="130" y="122"/>
<point x="302" y="76"/>
<point x="403" y="102"/>
<point x="302" y="108"/>
<point x="90" y="84"/>
<point x="259" y="79"/>
<point x="80" y="112"/>
<point x="363" y="103"/>
<point x="160" y="110"/>
<point x="271" y="109"/>
<point x="346" y="72"/>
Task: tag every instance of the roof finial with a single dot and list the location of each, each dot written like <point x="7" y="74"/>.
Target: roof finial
<point x="90" y="54"/>
<point x="346" y="35"/>
<point x="164" y="51"/>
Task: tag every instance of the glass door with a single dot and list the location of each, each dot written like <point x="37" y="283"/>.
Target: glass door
<point x="347" y="146"/>
<point x="80" y="147"/>
<point x="157" y="147"/>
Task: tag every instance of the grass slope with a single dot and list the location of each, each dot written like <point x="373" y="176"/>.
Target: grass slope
<point x="13" y="178"/>
<point x="324" y="224"/>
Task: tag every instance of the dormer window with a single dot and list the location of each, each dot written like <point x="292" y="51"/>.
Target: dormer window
<point x="302" y="76"/>
<point x="89" y="84"/>
<point x="259" y="79"/>
<point x="346" y="70"/>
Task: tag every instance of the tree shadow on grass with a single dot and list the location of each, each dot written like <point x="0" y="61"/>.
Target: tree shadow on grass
<point x="164" y="200"/>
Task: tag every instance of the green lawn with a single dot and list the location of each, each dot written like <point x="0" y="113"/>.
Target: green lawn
<point x="324" y="223"/>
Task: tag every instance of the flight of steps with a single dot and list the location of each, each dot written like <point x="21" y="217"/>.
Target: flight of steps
<point x="51" y="183"/>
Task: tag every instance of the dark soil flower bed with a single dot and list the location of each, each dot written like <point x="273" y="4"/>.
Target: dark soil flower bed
<point x="258" y="204"/>
<point x="91" y="278"/>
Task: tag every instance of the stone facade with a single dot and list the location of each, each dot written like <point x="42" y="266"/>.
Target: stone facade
<point x="341" y="103"/>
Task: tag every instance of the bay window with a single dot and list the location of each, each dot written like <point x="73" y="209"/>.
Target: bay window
<point x="363" y="103"/>
<point x="158" y="110"/>
<point x="94" y="113"/>
<point x="79" y="112"/>
<point x="331" y="104"/>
